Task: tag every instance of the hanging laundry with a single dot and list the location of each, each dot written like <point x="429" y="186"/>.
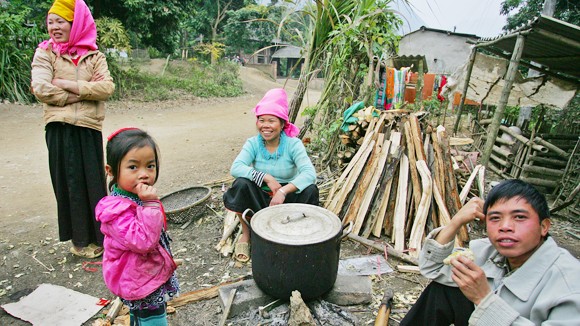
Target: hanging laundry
<point x="443" y="82"/>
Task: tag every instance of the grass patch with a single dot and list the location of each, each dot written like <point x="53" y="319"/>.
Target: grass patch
<point x="220" y="80"/>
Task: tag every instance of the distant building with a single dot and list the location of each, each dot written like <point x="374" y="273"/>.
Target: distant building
<point x="444" y="51"/>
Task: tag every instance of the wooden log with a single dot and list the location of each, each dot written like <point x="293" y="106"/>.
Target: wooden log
<point x="438" y="175"/>
<point x="450" y="183"/>
<point x="417" y="138"/>
<point x="401" y="205"/>
<point x="353" y="162"/>
<point x="381" y="248"/>
<point x="395" y="139"/>
<point x="388" y="225"/>
<point x="370" y="187"/>
<point x="542" y="170"/>
<point x="551" y="147"/>
<point x="421" y="214"/>
<point x="202" y="294"/>
<point x="415" y="182"/>
<point x="467" y="187"/>
<point x="337" y="203"/>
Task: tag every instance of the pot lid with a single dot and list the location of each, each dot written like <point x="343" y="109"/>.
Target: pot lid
<point x="295" y="224"/>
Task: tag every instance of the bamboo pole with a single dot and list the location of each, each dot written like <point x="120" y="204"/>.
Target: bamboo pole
<point x="472" y="56"/>
<point x="500" y="109"/>
<point x="542" y="170"/>
<point x="551" y="147"/>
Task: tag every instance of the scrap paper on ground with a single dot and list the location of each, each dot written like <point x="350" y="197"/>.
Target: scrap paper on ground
<point x="54" y="305"/>
<point x="365" y="265"/>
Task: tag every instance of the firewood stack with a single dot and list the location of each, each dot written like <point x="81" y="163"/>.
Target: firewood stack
<point x="399" y="183"/>
<point x="355" y="135"/>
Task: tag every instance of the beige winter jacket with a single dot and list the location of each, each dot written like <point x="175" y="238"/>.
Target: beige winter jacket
<point x="90" y="111"/>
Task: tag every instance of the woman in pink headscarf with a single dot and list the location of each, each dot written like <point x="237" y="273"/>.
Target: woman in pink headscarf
<point x="272" y="168"/>
<point x="71" y="78"/>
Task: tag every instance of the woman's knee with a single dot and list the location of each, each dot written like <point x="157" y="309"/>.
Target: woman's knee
<point x="310" y="195"/>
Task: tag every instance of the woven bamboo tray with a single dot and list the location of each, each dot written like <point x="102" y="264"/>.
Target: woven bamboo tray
<point x="186" y="204"/>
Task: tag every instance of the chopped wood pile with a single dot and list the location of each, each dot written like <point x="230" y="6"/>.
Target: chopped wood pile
<point x="400" y="182"/>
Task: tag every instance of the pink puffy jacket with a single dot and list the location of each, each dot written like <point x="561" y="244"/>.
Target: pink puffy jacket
<point x="134" y="263"/>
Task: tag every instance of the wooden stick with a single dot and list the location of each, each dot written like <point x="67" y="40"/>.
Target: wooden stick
<point x="401" y="205"/>
<point x="467" y="187"/>
<point x="481" y="182"/>
<point x="229" y="228"/>
<point x="228" y="307"/>
<point x="381" y="248"/>
<point x="203" y="294"/>
<point x="418" y="230"/>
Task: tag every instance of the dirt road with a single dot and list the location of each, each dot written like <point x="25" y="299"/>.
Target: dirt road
<point x="198" y="139"/>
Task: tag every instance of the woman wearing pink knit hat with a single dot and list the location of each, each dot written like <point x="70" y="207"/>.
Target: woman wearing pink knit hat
<point x="273" y="167"/>
<point x="71" y="78"/>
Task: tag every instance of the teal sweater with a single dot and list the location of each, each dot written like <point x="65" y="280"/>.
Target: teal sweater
<point x="289" y="164"/>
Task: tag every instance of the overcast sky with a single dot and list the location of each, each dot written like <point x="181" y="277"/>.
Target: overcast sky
<point x="479" y="17"/>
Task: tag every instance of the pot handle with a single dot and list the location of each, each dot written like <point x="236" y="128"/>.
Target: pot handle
<point x="347" y="232"/>
<point x="244" y="216"/>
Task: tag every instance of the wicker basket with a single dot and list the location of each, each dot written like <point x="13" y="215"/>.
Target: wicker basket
<point x="185" y="204"/>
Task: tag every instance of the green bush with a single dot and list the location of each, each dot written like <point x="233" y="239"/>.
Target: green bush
<point x="17" y="45"/>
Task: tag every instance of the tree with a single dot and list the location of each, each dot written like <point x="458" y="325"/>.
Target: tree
<point x="248" y="29"/>
<point x="154" y="22"/>
<point x="519" y="12"/>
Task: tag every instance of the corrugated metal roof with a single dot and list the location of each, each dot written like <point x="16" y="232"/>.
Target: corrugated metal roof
<point x="289" y="51"/>
<point x="410" y="60"/>
<point x="550" y="42"/>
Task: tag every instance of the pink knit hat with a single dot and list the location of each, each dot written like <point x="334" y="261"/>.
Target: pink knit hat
<point x="275" y="103"/>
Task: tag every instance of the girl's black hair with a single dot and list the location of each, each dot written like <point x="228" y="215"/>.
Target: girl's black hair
<point x="122" y="143"/>
<point x="515" y="188"/>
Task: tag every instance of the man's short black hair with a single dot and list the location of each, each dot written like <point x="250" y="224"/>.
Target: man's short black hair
<point x="515" y="188"/>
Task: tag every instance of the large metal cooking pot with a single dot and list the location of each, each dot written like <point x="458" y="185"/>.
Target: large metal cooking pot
<point x="295" y="247"/>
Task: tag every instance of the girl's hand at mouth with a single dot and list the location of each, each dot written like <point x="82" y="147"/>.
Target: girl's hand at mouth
<point x="146" y="192"/>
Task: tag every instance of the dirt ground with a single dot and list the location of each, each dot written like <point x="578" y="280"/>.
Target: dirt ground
<point x="199" y="139"/>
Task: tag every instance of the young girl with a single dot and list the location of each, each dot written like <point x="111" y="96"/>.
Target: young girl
<point x="137" y="264"/>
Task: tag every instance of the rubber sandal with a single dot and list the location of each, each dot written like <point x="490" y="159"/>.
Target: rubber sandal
<point x="242" y="252"/>
<point x="90" y="251"/>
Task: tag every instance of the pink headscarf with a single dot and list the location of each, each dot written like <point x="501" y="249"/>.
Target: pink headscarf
<point x="83" y="34"/>
<point x="275" y="103"/>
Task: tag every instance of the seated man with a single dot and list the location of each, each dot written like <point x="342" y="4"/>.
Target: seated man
<point x="519" y="276"/>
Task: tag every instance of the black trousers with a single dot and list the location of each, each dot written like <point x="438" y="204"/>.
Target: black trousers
<point x="439" y="305"/>
<point x="77" y="171"/>
<point x="245" y="194"/>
